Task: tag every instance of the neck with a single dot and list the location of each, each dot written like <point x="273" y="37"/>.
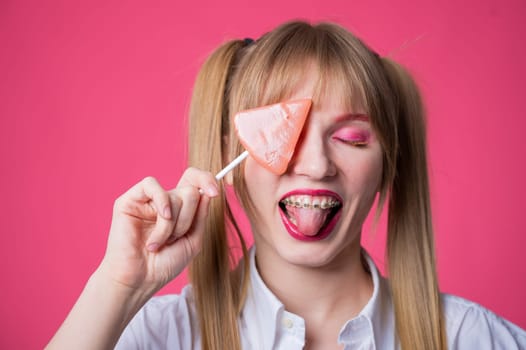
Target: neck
<point x="337" y="291"/>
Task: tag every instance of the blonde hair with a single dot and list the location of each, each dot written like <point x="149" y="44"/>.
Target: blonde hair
<point x="238" y="76"/>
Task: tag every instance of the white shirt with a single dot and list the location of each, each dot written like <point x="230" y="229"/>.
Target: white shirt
<point x="170" y="322"/>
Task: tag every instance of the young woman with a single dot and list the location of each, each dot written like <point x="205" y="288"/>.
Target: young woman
<point x="306" y="282"/>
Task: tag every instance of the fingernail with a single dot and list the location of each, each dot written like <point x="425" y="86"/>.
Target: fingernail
<point x="167" y="213"/>
<point x="211" y="191"/>
<point x="153" y="247"/>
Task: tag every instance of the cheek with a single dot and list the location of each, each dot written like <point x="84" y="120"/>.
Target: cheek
<point x="251" y="179"/>
<point x="261" y="187"/>
<point x="260" y="183"/>
<point x="364" y="171"/>
<point x="254" y="174"/>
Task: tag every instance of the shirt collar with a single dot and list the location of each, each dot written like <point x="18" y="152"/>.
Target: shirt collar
<point x="374" y="325"/>
<point x="262" y="308"/>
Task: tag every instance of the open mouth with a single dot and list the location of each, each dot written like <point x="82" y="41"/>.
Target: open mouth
<point x="310" y="215"/>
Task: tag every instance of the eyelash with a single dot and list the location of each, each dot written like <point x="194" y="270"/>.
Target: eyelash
<point x="356" y="141"/>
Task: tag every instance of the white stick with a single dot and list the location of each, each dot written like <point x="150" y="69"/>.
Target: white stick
<point x="231" y="166"/>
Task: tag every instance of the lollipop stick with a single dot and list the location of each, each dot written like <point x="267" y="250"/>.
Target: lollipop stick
<point x="231" y="166"/>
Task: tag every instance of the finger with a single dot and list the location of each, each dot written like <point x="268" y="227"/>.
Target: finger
<point x="149" y="190"/>
<point x="151" y="193"/>
<point x="185" y="200"/>
<point x="189" y="245"/>
<point x="164" y="228"/>
<point x="189" y="196"/>
<point x="200" y="179"/>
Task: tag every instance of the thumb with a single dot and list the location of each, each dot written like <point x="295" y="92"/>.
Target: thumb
<point x="189" y="245"/>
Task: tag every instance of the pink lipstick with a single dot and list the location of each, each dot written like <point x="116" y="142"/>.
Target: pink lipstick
<point x="310" y="214"/>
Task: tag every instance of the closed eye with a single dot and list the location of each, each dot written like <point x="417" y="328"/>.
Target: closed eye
<point x="352" y="136"/>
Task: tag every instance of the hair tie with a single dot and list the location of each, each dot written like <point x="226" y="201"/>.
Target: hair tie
<point x="248" y="41"/>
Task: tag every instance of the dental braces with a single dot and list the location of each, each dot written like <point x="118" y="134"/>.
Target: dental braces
<point x="323" y="205"/>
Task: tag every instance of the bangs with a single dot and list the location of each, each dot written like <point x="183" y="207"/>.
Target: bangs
<point x="289" y="62"/>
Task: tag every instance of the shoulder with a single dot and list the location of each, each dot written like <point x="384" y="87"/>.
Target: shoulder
<point x="471" y="326"/>
<point x="170" y="306"/>
<point x="167" y="321"/>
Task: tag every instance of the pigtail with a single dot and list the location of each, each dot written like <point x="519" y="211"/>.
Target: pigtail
<point x="410" y="246"/>
<point x="217" y="290"/>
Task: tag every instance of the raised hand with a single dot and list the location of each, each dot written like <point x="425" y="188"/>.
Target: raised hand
<point x="154" y="234"/>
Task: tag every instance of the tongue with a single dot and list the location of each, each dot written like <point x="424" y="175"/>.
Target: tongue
<point x="308" y="221"/>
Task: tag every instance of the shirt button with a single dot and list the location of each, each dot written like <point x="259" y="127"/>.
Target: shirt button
<point x="287" y="323"/>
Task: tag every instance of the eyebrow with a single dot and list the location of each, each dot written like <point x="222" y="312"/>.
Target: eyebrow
<point x="352" y="117"/>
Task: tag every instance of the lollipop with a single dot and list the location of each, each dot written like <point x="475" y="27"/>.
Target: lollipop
<point x="269" y="134"/>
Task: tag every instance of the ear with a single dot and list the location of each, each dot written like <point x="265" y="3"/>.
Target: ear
<point x="229" y="178"/>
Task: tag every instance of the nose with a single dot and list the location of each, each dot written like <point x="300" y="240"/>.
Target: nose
<point x="311" y="158"/>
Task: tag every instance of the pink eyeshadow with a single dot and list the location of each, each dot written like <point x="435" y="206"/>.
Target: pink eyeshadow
<point x="352" y="135"/>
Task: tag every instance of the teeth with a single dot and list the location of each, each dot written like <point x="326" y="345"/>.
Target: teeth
<point x="310" y="202"/>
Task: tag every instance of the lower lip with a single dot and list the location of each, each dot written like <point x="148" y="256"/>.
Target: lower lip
<point x="293" y="230"/>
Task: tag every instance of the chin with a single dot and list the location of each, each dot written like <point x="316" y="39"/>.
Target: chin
<point x="316" y="254"/>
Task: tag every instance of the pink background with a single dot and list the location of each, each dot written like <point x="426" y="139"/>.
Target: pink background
<point x="93" y="97"/>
